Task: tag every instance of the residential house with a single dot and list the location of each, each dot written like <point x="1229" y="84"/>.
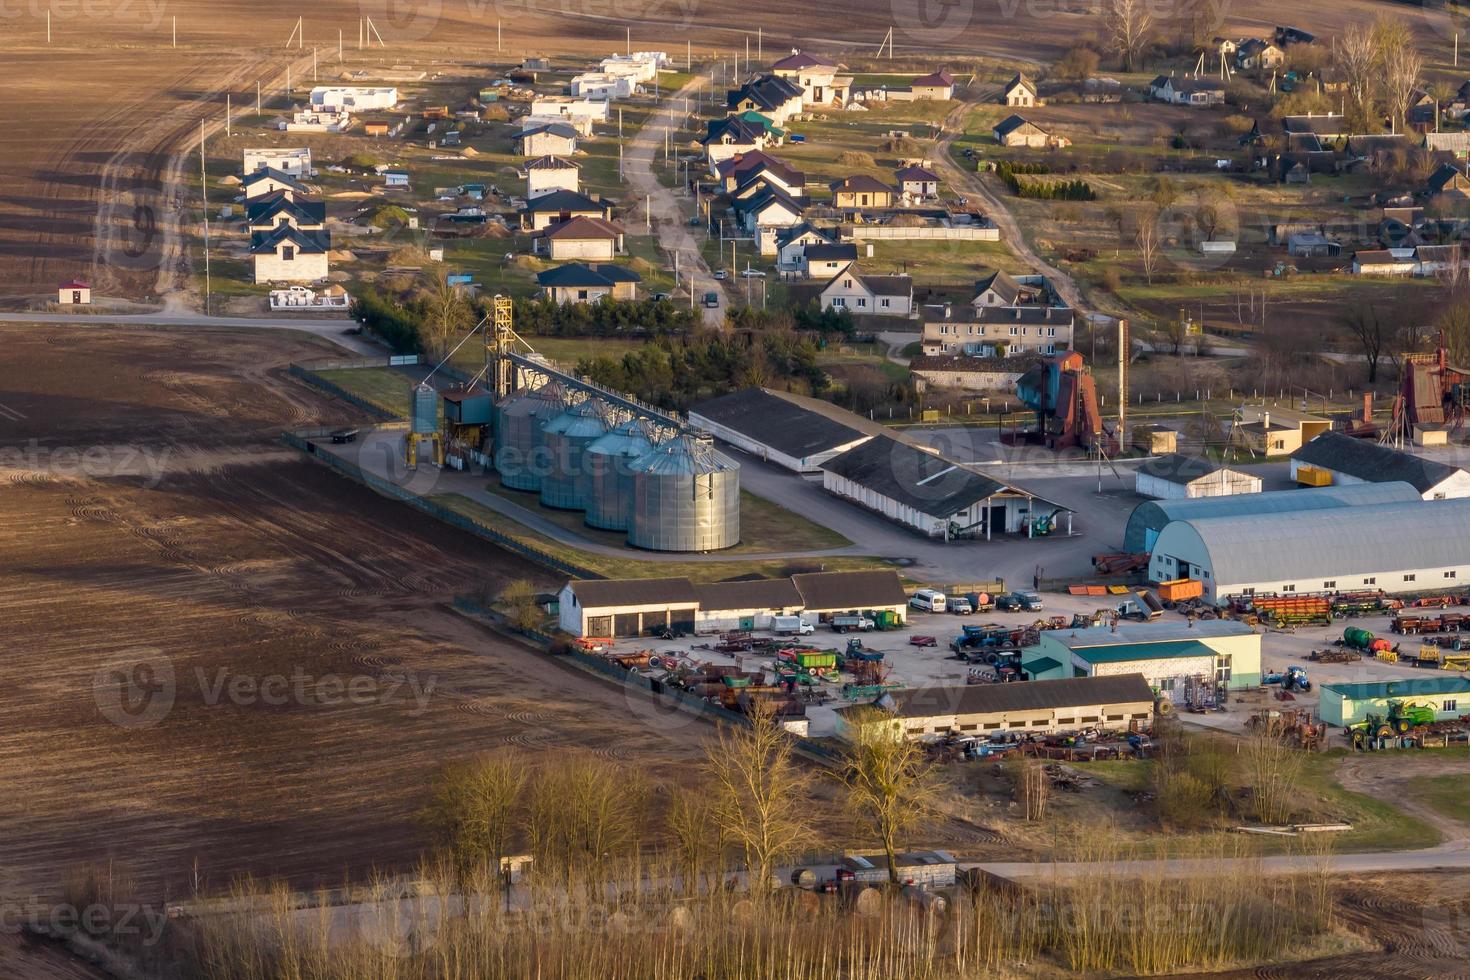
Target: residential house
<point x="1422" y="112"/>
<point x="1433" y="260"/>
<point x="1003" y="289"/>
<point x="561" y="205"/>
<point x="579" y="283"/>
<point x="823" y="260"/>
<point x="1312" y="245"/>
<point x="1456" y="143"/>
<point x="74" y="292"/>
<point x="549" y="173"/>
<point x="274" y="210"/>
<point x="289" y="254"/>
<point x="396" y="178"/>
<point x="817" y="78"/>
<point x="267" y="180"/>
<point x="1448" y="185"/>
<point x="1019" y="92"/>
<point x="937" y="86"/>
<point x="1190" y="91"/>
<point x="1015" y="131"/>
<point x="997" y="331"/>
<point x="294" y="162"/>
<point x="792" y="242"/>
<point x="740" y="168"/>
<point x="352" y="98"/>
<point x="1257" y="55"/>
<point x="767" y="207"/>
<point x="917" y="183"/>
<point x="601" y="86"/>
<point x="580" y="237"/>
<point x="550" y="139"/>
<point x="1328" y="128"/>
<point x="860" y="191"/>
<point x="575" y="111"/>
<point x="853" y="290"/>
<point x="773" y="96"/>
<point x="725" y="138"/>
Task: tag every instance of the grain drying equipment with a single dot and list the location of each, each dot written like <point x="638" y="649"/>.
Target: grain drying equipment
<point x="565" y="483"/>
<point x="519" y="441"/>
<point x="609" y="462"/>
<point x="686" y="497"/>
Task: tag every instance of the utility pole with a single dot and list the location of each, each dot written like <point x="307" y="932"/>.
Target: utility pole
<point x="499" y="38"/>
<point x="204" y="197"/>
<point x="629" y="48"/>
<point x="760" y="33"/>
<point x="648" y="211"/>
<point x="227" y="115"/>
<point x="689" y="53"/>
<point x="48" y="25"/>
<point x="339" y="44"/>
<point x="176" y="30"/>
<point x="313" y="64"/>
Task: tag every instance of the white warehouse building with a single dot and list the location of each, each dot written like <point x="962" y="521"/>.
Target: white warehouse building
<point x="1419" y="546"/>
<point x="1350" y="461"/>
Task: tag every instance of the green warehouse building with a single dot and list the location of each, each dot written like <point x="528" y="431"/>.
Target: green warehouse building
<point x="1348" y="704"/>
<point x="1168" y="654"/>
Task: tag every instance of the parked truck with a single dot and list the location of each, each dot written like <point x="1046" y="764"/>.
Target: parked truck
<point x="851" y="621"/>
<point x="791" y="626"/>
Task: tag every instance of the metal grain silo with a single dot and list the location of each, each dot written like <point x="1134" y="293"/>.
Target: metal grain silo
<point x="566" y="437"/>
<point x="609" y="463"/>
<point x="686" y="497"/>
<point x="519" y="450"/>
<point x="423" y="409"/>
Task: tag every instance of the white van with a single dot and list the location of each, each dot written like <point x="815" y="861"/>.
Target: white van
<point x="928" y="600"/>
<point x="791" y="626"/>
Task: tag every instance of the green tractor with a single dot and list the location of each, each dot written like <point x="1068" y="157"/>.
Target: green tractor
<point x="1400" y="720"/>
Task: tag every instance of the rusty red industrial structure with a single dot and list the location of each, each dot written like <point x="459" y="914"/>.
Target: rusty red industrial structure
<point x="1063" y="394"/>
<point x="1433" y="392"/>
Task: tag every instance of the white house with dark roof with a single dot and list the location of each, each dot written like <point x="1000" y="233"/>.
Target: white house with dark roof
<point x="551" y="173"/>
<point x="817" y="77"/>
<point x="268" y="180"/>
<point x="1019" y="92"/>
<point x="822" y="260"/>
<point x="580" y="237"/>
<point x="917" y="182"/>
<point x="560" y="205"/>
<point x="289" y="254"/>
<point x="548" y="139"/>
<point x="1195" y="91"/>
<point x="863" y="294"/>
<point x="792" y="242"/>
<point x="936" y="86"/>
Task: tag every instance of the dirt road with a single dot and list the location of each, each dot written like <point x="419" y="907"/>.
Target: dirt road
<point x="964" y="182"/>
<point x="670" y="209"/>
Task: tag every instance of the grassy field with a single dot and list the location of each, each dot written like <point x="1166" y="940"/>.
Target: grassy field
<point x="1448" y="794"/>
<point x="765" y="527"/>
<point x="385" y="388"/>
<point x="635" y="567"/>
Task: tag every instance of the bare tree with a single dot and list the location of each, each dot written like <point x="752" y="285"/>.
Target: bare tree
<point x="761" y="795"/>
<point x="689" y="820"/>
<point x="449" y="312"/>
<point x="1372" y="332"/>
<point x="1274" y="769"/>
<point x="1148" y="241"/>
<point x="472" y="809"/>
<point x="581" y="813"/>
<point x="1032" y="786"/>
<point x="1357" y="59"/>
<point x="518" y="600"/>
<point x="1401" y="66"/>
<point x="1129" y="26"/>
<point x="891" y="788"/>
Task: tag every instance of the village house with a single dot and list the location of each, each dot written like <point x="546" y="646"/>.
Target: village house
<point x="1019" y="93"/>
<point x="792" y="242"/>
<point x="823" y="260"/>
<point x="579" y="283"/>
<point x="741" y="168"/>
<point x="561" y="205"/>
<point x="288" y="254"/>
<point x="1190" y="91"/>
<point x="1328" y="128"/>
<point x="731" y="136"/>
<point x="917" y="183"/>
<point x="772" y="96"/>
<point x="1447" y="186"/>
<point x="1455" y="143"/>
<point x="281" y="208"/>
<point x="937" y="86"/>
<point x="550" y="139"/>
<point x="1015" y="131"/>
<point x="639" y="66"/>
<point x="259" y="183"/>
<point x="1257" y="55"/>
<point x="858" y="293"/>
<point x="600" y="86"/>
<point x="1003" y="289"/>
<point x="580" y="237"/>
<point x="578" y="112"/>
<point x="817" y="78"/>
<point x="860" y="191"/>
<point x="768" y="207"/>
<point x="294" y="161"/>
<point x="549" y="173"/>
<point x="997" y="331"/>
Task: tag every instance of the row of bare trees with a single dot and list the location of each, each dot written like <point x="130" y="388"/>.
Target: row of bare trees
<point x="1381" y="67"/>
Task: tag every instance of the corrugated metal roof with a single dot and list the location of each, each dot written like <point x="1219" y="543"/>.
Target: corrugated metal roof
<point x="777" y="420"/>
<point x="772" y="593"/>
<point x="1070" y="692"/>
<point x="822" y="591"/>
<point x="606" y="593"/>
<point x="1123" y="652"/>
<point x="1369" y="461"/>
<point x="1040" y="665"/>
<point x="1329" y="543"/>
<point x="1160" y="632"/>
<point x="1156" y="514"/>
<point x="1406" y="688"/>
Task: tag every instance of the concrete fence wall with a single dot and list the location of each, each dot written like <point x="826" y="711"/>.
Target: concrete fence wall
<point x="890" y="233"/>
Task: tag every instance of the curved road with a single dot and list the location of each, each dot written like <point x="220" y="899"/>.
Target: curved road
<point x="671" y="211"/>
<point x="970" y="184"/>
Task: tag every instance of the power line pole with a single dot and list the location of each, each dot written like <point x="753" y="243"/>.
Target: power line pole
<point x="204" y="197"/>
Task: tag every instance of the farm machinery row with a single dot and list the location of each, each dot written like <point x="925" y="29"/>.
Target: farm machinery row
<point x="1290" y="610"/>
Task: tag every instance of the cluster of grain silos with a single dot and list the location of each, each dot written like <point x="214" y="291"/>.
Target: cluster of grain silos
<point x="519" y="441"/>
<point x="676" y="495"/>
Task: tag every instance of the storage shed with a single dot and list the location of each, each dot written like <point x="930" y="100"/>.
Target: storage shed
<point x="1177" y="476"/>
<point x="1348" y="704"/>
<point x="1417" y="546"/>
<point x="1351" y="461"/>
<point x="626" y="607"/>
<point x="1031" y="706"/>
